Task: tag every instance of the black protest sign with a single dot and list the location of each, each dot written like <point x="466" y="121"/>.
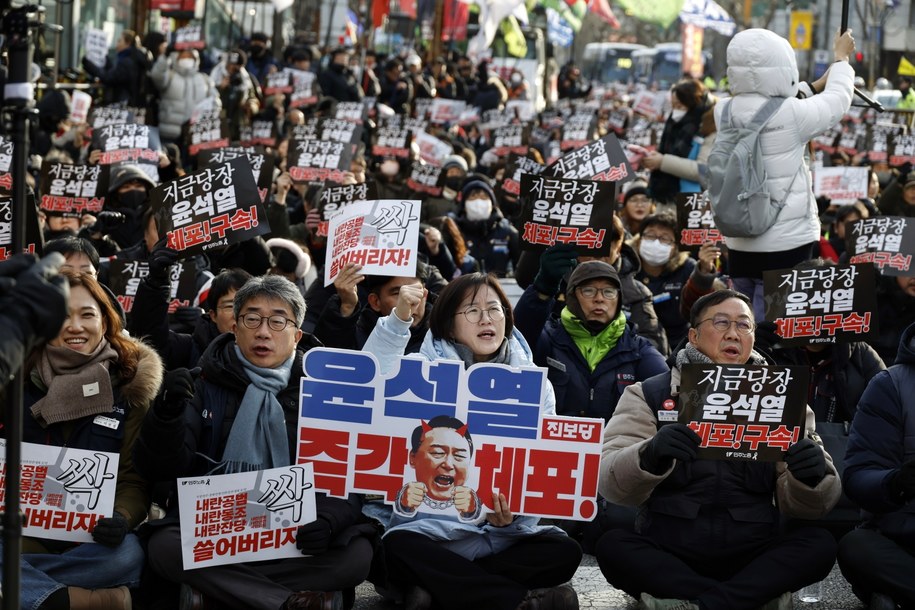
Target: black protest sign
<point x="602" y="160"/>
<point x="258" y="133"/>
<point x="695" y="221"/>
<point x="513" y="138"/>
<point x="355" y="112"/>
<point x="741" y="412"/>
<point x="641" y="134"/>
<point x="279" y="82"/>
<point x="514" y="168"/>
<point x="317" y="160"/>
<point x="73" y="189"/>
<point x="215" y="206"/>
<point x="304" y="92"/>
<point x="189" y="37"/>
<point x="827" y="140"/>
<point x="880" y="135"/>
<point x="102" y="116"/>
<point x="261" y="163"/>
<point x="493" y="119"/>
<point x="392" y="142"/>
<point x="902" y="149"/>
<point x="34" y="244"/>
<point x="425" y="178"/>
<point x="853" y="140"/>
<point x="124" y="278"/>
<point x="334" y="198"/>
<point x="129" y="143"/>
<point x="560" y="211"/>
<point x="339" y="130"/>
<point x="207" y="130"/>
<point x="578" y="130"/>
<point x="822" y="304"/>
<point x="886" y="241"/>
<point x="421" y="107"/>
<point x="617" y="121"/>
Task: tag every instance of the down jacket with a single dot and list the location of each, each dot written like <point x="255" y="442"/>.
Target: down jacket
<point x="179" y="93"/>
<point x="762" y="65"/>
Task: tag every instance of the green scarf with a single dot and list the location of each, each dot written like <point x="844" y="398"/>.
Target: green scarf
<point x="593" y="347"/>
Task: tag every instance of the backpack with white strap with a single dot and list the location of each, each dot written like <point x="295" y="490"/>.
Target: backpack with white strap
<point x="737" y="181"/>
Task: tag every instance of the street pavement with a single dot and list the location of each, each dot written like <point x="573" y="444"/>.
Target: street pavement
<point x="595" y="594"/>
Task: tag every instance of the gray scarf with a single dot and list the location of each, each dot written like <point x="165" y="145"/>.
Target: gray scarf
<point x="78" y="384"/>
<point x="258" y="438"/>
<point x="691" y="355"/>
<point x="500" y="357"/>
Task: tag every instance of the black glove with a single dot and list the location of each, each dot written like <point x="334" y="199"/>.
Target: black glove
<point x="672" y="442"/>
<point x="41" y="295"/>
<point x="160" y="261"/>
<point x="105" y="221"/>
<point x="110" y="531"/>
<point x="902" y="483"/>
<point x="806" y="461"/>
<point x="188" y="316"/>
<point x="177" y="389"/>
<point x="313" y="538"/>
<point x="555" y="262"/>
<point x="12" y="267"/>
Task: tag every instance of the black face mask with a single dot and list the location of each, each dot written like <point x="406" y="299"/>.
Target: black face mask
<point x="258" y="51"/>
<point x="454" y="182"/>
<point x="132" y="199"/>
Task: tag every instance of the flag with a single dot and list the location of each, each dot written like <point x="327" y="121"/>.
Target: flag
<point x="601" y="8"/>
<point x="707" y="14"/>
<point x="454" y="20"/>
<point x="380" y="10"/>
<point x="492" y="12"/>
<point x="905" y="67"/>
<point x="565" y="12"/>
<point x="513" y="36"/>
<point x="353" y="26"/>
<point x="558" y="32"/>
<point x="661" y="12"/>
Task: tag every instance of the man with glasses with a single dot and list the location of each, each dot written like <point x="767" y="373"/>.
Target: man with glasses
<point x="241" y="415"/>
<point x="708" y="534"/>
<point x="591" y="355"/>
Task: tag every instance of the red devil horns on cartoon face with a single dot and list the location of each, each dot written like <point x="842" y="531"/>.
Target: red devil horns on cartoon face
<point x="462" y="430"/>
<point x="426" y="426"/>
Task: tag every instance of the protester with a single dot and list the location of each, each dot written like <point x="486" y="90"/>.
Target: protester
<point x="181" y="88"/>
<point x="90" y="351"/>
<point x="490" y="237"/>
<point x="396" y="89"/>
<point x="877" y="558"/>
<point x="711" y="527"/>
<point x="124" y="80"/>
<point x="238" y="92"/>
<point x="637" y="205"/>
<point x="762" y="65"/>
<point x="261" y="61"/>
<point x="337" y="80"/>
<point x="128" y="195"/>
<point x="250" y="381"/>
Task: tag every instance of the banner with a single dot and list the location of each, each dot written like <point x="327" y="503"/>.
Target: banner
<point x="901" y="149"/>
<point x="207" y="130"/>
<point x="578" y="130"/>
<point x="578" y="212"/>
<point x="515" y="167"/>
<point x="602" y="160"/>
<point x="649" y="104"/>
<point x="261" y="163"/>
<point x="244" y="517"/>
<point x="841" y="184"/>
<point x="380" y="235"/>
<point x="339" y="130"/>
<point x="215" y="206"/>
<point x="431" y="149"/>
<point x="73" y="189"/>
<point x="886" y="241"/>
<point x="259" y="133"/>
<point x="392" y="142"/>
<point x="189" y="37"/>
<point x="80" y="103"/>
<point x="511" y="139"/>
<point x="695" y="221"/>
<point x="425" y="178"/>
<point x="742" y="412"/>
<point x="355" y="112"/>
<point x="124" y="278"/>
<point x="96" y="46"/>
<point x="825" y="304"/>
<point x="33" y="238"/>
<point x="63" y="491"/>
<point x="129" y="143"/>
<point x="303" y="89"/>
<point x="316" y="160"/>
<point x="445" y="111"/>
<point x="102" y="116"/>
<point x="334" y="198"/>
<point x="357" y="428"/>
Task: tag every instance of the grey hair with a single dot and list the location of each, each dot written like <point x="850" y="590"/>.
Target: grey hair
<point x="272" y="287"/>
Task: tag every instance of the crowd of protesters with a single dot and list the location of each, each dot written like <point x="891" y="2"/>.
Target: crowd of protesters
<point x="213" y="387"/>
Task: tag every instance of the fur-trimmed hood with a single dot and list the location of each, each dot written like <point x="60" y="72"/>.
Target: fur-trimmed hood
<point x="142" y="389"/>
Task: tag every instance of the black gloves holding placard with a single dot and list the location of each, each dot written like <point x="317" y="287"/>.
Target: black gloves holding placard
<point x="672" y="442"/>
<point x="111" y="531"/>
<point x="555" y="262"/>
<point x="160" y="261"/>
<point x="314" y="538"/>
<point x="177" y="389"/>
<point x="806" y="461"/>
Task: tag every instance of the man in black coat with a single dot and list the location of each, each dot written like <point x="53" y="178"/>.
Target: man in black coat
<point x="337" y="80"/>
<point x="125" y="79"/>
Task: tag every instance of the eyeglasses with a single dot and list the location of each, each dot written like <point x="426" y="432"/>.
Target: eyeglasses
<point x="589" y="292"/>
<point x="475" y="314"/>
<point x="664" y="239"/>
<point x="277" y="323"/>
<point x="721" y="324"/>
<point x="638" y="200"/>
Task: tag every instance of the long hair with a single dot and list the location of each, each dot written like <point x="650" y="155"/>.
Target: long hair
<point x="441" y="322"/>
<point x="127" y="349"/>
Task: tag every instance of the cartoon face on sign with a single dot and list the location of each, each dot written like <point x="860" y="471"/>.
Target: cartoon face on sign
<point x="440" y="455"/>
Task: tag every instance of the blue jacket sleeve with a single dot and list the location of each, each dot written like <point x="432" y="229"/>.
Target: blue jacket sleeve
<point x="530" y="315"/>
<point x="875" y="446"/>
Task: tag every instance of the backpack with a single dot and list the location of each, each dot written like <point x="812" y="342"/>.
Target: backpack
<point x="737" y="182"/>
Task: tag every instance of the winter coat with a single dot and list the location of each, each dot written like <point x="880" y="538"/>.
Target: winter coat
<point x="708" y="503"/>
<point x="391" y="334"/>
<point x="132" y="400"/>
<point x="762" y="65"/>
<point x="124" y="79"/>
<point x="192" y="444"/>
<point x="338" y="82"/>
<point x="895" y="313"/>
<point x="879" y="443"/>
<point x="493" y="242"/>
<point x="579" y="391"/>
<point x="665" y="290"/>
<point x="351" y="332"/>
<point x="179" y="93"/>
<point x="677" y="141"/>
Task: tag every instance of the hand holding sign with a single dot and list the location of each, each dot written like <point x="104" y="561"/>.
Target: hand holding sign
<point x="502" y="514"/>
<point x="314" y="538"/>
<point x="806" y="462"/>
<point x="346" y="283"/>
<point x="672" y="442"/>
<point x="708" y="257"/>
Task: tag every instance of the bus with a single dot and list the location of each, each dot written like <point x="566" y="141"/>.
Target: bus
<point x="609" y="62"/>
<point x="661" y="65"/>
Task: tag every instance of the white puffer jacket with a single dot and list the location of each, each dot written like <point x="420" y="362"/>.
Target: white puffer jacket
<point x="761" y="65"/>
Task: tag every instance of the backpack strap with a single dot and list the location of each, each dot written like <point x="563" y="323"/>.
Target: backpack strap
<point x="765" y="113"/>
